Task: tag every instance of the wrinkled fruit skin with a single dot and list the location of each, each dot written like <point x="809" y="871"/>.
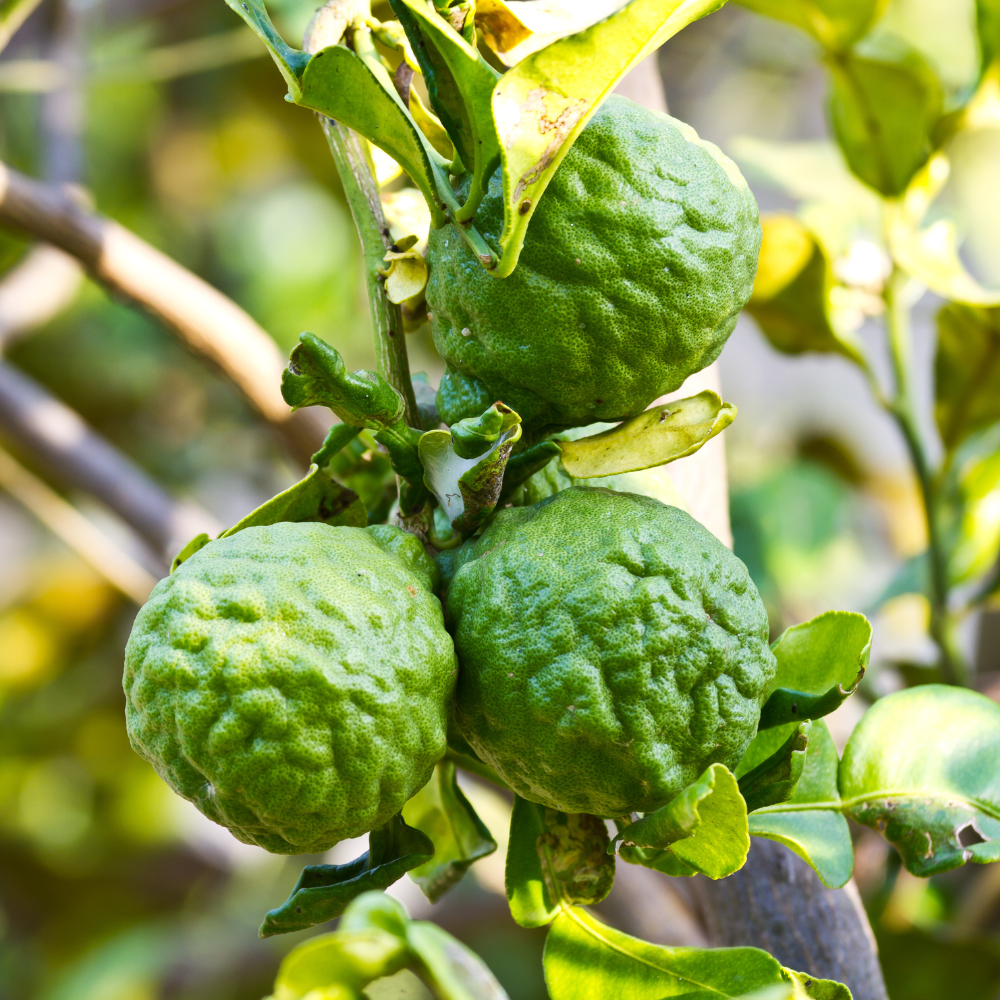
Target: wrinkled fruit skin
<point x="293" y="681"/>
<point x="636" y="264"/>
<point x="611" y="649"/>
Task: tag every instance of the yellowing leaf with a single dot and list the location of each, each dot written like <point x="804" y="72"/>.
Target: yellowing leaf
<point x="406" y="276"/>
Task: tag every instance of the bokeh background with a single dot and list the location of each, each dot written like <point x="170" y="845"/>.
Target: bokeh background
<point x="111" y="888"/>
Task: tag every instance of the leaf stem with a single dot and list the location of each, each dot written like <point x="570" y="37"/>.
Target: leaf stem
<point x="903" y="409"/>
<point x="361" y="190"/>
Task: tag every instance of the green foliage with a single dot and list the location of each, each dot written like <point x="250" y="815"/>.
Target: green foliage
<point x="835" y="24"/>
<point x="988" y="30"/>
<point x="774" y="780"/>
<point x="290" y="61"/>
<point x="820" y="664"/>
<point x="323" y="892"/>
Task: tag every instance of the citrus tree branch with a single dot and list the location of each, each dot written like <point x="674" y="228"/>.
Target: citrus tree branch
<point x="204" y="320"/>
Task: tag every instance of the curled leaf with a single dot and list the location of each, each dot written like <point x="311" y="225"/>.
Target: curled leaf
<point x="196" y="543"/>
<point x="661" y="434"/>
<point x="291" y="62"/>
<point x="406" y="276"/>
<point x="774" y="780"/>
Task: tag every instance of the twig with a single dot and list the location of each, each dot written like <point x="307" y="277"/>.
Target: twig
<point x="13" y="13"/>
<point x="76" y="456"/>
<point x="65" y="521"/>
<point x="205" y="320"/>
<point x="36" y="290"/>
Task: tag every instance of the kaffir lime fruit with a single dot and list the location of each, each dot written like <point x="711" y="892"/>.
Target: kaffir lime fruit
<point x="611" y="648"/>
<point x="293" y="681"/>
<point x="637" y="261"/>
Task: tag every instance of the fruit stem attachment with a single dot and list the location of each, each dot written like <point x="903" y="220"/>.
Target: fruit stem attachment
<point x="361" y="190"/>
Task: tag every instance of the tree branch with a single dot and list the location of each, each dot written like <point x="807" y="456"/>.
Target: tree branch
<point x="205" y="320"/>
<point x="42" y="284"/>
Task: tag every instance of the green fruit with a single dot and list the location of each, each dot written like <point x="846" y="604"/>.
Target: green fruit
<point x="636" y="264"/>
<point x="610" y="648"/>
<point x="293" y="681"/>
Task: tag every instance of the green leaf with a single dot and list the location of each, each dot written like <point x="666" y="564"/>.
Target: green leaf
<point x="525" y="464"/>
<point x="444" y="814"/>
<point x="339" y="436"/>
<point x="323" y="891"/>
<point x="791" y="299"/>
<point x="449" y="967"/>
<point x="196" y="543"/>
<point x="661" y="434"/>
<point x="339" y="84"/>
<point x="553" y="861"/>
<point x="468" y="488"/>
<point x="835" y="24"/>
<point x="774" y="779"/>
<point x="966" y="371"/>
<point x="317" y="376"/>
<point x="543" y="103"/>
<point x="884" y="107"/>
<point x="921" y="768"/>
<point x="810" y="822"/>
<point x="820" y="665"/>
<point x="988" y="29"/>
<point x="704" y="826"/>
<point x="315" y="498"/>
<point x="291" y="62"/>
<point x="460" y="84"/>
<point x="474" y="436"/>
<point x="585" y="958"/>
<point x="13" y="13"/>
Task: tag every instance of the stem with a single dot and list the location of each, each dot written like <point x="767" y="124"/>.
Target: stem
<point x="903" y="409"/>
<point x="362" y="193"/>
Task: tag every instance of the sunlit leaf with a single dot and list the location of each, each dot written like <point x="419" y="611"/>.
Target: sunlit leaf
<point x="810" y="822"/>
<point x="921" y="768"/>
<point x="554" y="860"/>
<point x="966" y="371"/>
<point x="459" y="83"/>
<point x="820" y="664"/>
<point x="791" y="293"/>
<point x="340" y="85"/>
<point x="291" y="62"/>
<point x="444" y="814"/>
<point x="835" y="24"/>
<point x="543" y="103"/>
<point x="884" y="107"/>
<point x="196" y="543"/>
<point x="661" y="434"/>
<point x="451" y="969"/>
<point x="585" y="958"/>
<point x="774" y="779"/>
<point x="704" y="826"/>
<point x="323" y="891"/>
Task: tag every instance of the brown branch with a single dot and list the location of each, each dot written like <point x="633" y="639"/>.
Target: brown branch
<point x="206" y="321"/>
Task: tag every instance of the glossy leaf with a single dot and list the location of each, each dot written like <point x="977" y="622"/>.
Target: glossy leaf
<point x="585" y="958"/>
<point x="196" y="543"/>
<point x="323" y="891"/>
<point x="835" y="24"/>
<point x="661" y="434"/>
<point x="468" y="488"/>
<point x="930" y="254"/>
<point x="554" y="860"/>
<point x="339" y="84"/>
<point x="775" y="778"/>
<point x="444" y="814"/>
<point x="704" y="827"/>
<point x="474" y="436"/>
<point x="543" y="103"/>
<point x="459" y="83"/>
<point x="921" y="768"/>
<point x="791" y="293"/>
<point x="291" y="62"/>
<point x="810" y="823"/>
<point x="966" y="371"/>
<point x="317" y="376"/>
<point x="525" y="464"/>
<point x="883" y="109"/>
<point x="820" y="665"/>
<point x="338" y="437"/>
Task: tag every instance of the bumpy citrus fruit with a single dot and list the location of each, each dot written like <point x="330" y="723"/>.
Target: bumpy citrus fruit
<point x="611" y="649"/>
<point x="293" y="681"/>
<point x="636" y="264"/>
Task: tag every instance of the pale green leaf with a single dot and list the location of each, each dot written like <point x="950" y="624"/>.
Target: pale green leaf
<point x="527" y="894"/>
<point x="884" y="107"/>
<point x="661" y="434"/>
<point x="452" y="970"/>
<point x="820" y="664"/>
<point x="921" y="767"/>
<point x="988" y="29"/>
<point x="585" y="958"/>
<point x="835" y="24"/>
<point x="444" y="814"/>
<point x="810" y="822"/>
<point x="196" y="543"/>
<point x="704" y="827"/>
<point x="291" y="62"/>
<point x="543" y="103"/>
<point x="775" y="778"/>
<point x="406" y="276"/>
<point x="966" y="371"/>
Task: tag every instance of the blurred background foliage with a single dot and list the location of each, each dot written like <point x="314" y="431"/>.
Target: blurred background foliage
<point x="111" y="888"/>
